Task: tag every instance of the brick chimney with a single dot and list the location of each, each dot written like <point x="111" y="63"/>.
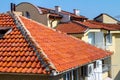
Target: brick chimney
<point x="57" y="9"/>
<point x="76" y="12"/>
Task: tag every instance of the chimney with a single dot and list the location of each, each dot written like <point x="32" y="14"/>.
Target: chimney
<point x="12" y="7"/>
<point x="76" y="12"/>
<point x="57" y="9"/>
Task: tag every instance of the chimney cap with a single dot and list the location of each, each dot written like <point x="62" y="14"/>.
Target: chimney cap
<point x="76" y="12"/>
<point x="57" y="9"/>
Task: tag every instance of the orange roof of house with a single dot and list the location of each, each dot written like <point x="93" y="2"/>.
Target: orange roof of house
<point x="51" y="11"/>
<point x="111" y="27"/>
<point x="63" y="51"/>
<point x="16" y="55"/>
<point x="52" y="15"/>
<point x="73" y="15"/>
<point x="80" y="27"/>
<point x="99" y="25"/>
<point x="71" y="27"/>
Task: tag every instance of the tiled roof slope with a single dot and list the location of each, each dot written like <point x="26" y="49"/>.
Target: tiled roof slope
<point x="98" y="25"/>
<point x="71" y="27"/>
<point x="64" y="51"/>
<point x="73" y="15"/>
<point x="46" y="10"/>
<point x="16" y="56"/>
<point x="111" y="27"/>
<point x="51" y="11"/>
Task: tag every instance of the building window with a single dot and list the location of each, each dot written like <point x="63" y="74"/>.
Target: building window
<point x="72" y="75"/>
<point x="4" y="31"/>
<point x="96" y="39"/>
<point x="68" y="75"/>
<point x="75" y="74"/>
<point x="27" y="14"/>
<point x="91" y="38"/>
<point x="106" y="64"/>
<point x="109" y="39"/>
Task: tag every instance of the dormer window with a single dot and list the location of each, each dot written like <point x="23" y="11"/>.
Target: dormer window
<point x="4" y="31"/>
<point x="27" y="14"/>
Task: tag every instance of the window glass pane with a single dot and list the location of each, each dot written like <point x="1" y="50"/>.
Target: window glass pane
<point x="75" y="74"/>
<point x="64" y="77"/>
<point x="99" y="40"/>
<point x="108" y="39"/>
<point x="68" y="76"/>
<point x="27" y="14"/>
<point x="91" y="38"/>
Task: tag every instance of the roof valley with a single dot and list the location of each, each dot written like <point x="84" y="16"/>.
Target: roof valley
<point x="44" y="60"/>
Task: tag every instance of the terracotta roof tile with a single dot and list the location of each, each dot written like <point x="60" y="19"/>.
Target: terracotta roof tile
<point x="33" y="65"/>
<point x="34" y="70"/>
<point x="29" y="70"/>
<point x="9" y="69"/>
<point x="14" y="70"/>
<point x="61" y="49"/>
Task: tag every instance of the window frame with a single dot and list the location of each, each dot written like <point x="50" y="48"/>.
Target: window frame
<point x="27" y="14"/>
<point x="70" y="75"/>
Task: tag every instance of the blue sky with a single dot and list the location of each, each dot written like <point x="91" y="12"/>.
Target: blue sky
<point x="88" y="8"/>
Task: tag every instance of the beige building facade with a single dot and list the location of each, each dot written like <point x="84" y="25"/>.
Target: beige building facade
<point x="105" y="18"/>
<point x="115" y="47"/>
<point x="35" y="13"/>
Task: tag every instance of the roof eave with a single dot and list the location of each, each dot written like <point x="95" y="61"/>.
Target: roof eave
<point x="82" y="65"/>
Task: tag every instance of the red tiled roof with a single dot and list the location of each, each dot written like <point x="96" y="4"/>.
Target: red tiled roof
<point x="53" y="15"/>
<point x="106" y="26"/>
<point x="80" y="27"/>
<point x="64" y="51"/>
<point x="98" y="25"/>
<point x="46" y="10"/>
<point x="71" y="27"/>
<point x="73" y="15"/>
<point x="16" y="56"/>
